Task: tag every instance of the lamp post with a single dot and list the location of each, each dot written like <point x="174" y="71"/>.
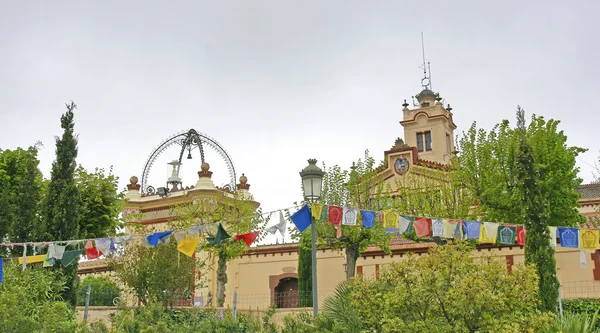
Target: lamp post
<point x="312" y="183"/>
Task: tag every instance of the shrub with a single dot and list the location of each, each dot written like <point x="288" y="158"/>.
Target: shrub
<point x="103" y="291"/>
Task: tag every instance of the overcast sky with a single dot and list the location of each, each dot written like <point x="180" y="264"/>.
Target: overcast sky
<point x="277" y="82"/>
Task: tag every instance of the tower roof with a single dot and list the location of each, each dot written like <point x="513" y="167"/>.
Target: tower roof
<point x="425" y="93"/>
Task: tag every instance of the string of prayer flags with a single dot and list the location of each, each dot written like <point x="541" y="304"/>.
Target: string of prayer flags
<point x="437" y="228"/>
<point x="391" y="221"/>
<point x="472" y="229"/>
<point x="120" y="240"/>
<point x="70" y="256"/>
<point x="350" y="215"/>
<point x="405" y="223"/>
<point x="316" y="209"/>
<point x="521" y="235"/>
<point x="589" y="239"/>
<point x="489" y="233"/>
<point x="368" y="218"/>
<point x="219" y="237"/>
<point x="507" y="234"/>
<point x="422" y="227"/>
<point x="552" y="232"/>
<point x="156" y="237"/>
<point x="569" y="237"/>
<point x="91" y="252"/>
<point x="188" y="245"/>
<point x="248" y="238"/>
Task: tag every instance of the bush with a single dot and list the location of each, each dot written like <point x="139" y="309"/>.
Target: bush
<point x="582" y="305"/>
<point x="30" y="301"/>
<point x="103" y="291"/>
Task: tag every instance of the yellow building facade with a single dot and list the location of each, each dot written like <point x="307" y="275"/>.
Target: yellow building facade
<point x="268" y="274"/>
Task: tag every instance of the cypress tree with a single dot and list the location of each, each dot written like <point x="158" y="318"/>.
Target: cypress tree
<point x="305" y="270"/>
<point x="535" y="215"/>
<point x="61" y="216"/>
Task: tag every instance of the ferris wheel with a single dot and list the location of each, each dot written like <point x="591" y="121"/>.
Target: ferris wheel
<point x="189" y="141"/>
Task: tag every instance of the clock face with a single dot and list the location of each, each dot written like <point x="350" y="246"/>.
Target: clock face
<point x="401" y="165"/>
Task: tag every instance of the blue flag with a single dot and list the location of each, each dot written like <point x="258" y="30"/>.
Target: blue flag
<point x="368" y="218"/>
<point x="472" y="229"/>
<point x="1" y="264"/>
<point x="569" y="237"/>
<point x="159" y="236"/>
<point x="302" y="218"/>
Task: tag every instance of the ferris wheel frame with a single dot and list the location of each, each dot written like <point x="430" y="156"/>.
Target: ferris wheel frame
<point x="189" y="141"/>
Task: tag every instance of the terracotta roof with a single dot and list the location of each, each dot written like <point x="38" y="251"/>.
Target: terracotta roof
<point x="589" y="191"/>
<point x="592" y="222"/>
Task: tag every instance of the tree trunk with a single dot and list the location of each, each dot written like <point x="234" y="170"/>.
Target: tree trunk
<point x="221" y="280"/>
<point x="351" y="257"/>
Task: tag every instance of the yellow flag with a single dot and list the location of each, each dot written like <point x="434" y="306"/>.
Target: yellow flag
<point x="33" y="259"/>
<point x="488" y="233"/>
<point x="188" y="245"/>
<point x="316" y="209"/>
<point x="590" y="239"/>
<point x="391" y="220"/>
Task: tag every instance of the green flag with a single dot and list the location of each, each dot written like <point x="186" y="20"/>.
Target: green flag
<point x="219" y="237"/>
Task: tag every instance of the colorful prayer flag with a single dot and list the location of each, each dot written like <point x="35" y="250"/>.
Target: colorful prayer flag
<point x="32" y="259"/>
<point x="316" y="210"/>
<point x="569" y="237"/>
<point x="521" y="235"/>
<point x="1" y="269"/>
<point x="507" y="234"/>
<point x="157" y="237"/>
<point x="349" y="217"/>
<point x="405" y="223"/>
<point x="422" y="227"/>
<point x="188" y="245"/>
<point x="472" y="229"/>
<point x="437" y="228"/>
<point x="552" y="232"/>
<point x="590" y="239"/>
<point x="302" y="218"/>
<point x="489" y="232"/>
<point x="391" y="221"/>
<point x="248" y="238"/>
<point x="368" y="218"/>
<point x="70" y="256"/>
<point x="219" y="237"/>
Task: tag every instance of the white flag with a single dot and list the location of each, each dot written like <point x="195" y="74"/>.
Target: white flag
<point x="281" y="226"/>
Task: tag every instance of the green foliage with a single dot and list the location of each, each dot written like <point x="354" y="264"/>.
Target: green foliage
<point x="535" y="213"/>
<point x="237" y="214"/>
<point x="154" y="318"/>
<point x="103" y="291"/>
<point x="357" y="188"/>
<point x="305" y="269"/>
<point x="581" y="305"/>
<point x="100" y="202"/>
<point x="30" y="301"/>
<point x="21" y="182"/>
<point x="487" y="168"/>
<point x="450" y="291"/>
<point x="577" y="323"/>
<point x="156" y="274"/>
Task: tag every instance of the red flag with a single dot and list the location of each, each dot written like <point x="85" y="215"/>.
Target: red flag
<point x="422" y="227"/>
<point x="521" y="235"/>
<point x="335" y="215"/>
<point x="248" y="238"/>
<point x="91" y="251"/>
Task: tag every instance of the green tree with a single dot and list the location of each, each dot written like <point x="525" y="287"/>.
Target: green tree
<point x="156" y="274"/>
<point x="21" y="181"/>
<point x="487" y="169"/>
<point x="305" y="269"/>
<point x="534" y="209"/>
<point x="237" y="215"/>
<point x="103" y="291"/>
<point x="449" y="290"/>
<point x="61" y="206"/>
<point x="100" y="202"/>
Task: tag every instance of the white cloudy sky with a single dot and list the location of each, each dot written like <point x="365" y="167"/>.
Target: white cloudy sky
<point x="277" y="82"/>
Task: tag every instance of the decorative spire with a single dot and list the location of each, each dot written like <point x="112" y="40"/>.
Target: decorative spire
<point x="204" y="171"/>
<point x="133" y="184"/>
<point x="243" y="185"/>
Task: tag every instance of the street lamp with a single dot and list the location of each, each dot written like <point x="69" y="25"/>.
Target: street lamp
<point x="312" y="183"/>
